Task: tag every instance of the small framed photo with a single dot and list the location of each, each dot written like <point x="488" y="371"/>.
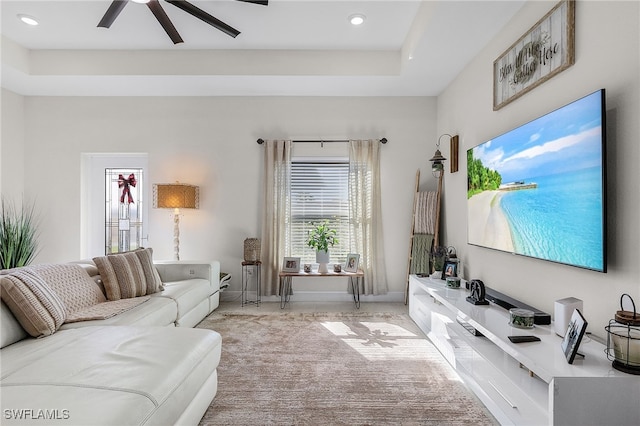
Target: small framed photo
<point x="352" y="263"/>
<point x="450" y="269"/>
<point x="573" y="336"/>
<point x="291" y="264"/>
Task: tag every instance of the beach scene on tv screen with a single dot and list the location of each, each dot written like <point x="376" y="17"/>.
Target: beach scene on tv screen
<point x="538" y="189"/>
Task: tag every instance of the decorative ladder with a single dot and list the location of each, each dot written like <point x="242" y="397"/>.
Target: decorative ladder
<point x="436" y="236"/>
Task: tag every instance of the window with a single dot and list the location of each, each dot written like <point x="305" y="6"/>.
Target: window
<point x="319" y="192"/>
<point x="123" y="209"/>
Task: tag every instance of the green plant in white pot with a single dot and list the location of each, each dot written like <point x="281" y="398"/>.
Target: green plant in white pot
<point x="18" y="235"/>
<point x="438" y="255"/>
<point x="321" y="238"/>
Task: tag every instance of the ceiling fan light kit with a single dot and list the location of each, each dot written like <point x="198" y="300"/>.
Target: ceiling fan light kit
<point x="154" y="5"/>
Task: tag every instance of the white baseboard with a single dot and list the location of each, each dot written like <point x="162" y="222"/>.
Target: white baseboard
<point x="318" y="296"/>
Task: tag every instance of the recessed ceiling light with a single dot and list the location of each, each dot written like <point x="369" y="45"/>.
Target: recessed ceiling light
<point x="357" y="19"/>
<point x="29" y="20"/>
<point x="141" y="1"/>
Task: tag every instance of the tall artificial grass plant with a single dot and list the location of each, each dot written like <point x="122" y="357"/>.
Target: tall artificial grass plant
<point x="18" y="235"/>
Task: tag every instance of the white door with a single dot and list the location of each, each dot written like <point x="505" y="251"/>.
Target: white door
<point x="115" y="202"/>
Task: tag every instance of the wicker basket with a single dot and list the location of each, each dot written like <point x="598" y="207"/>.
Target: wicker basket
<point x="252" y="249"/>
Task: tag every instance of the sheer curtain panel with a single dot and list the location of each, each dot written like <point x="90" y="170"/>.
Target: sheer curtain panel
<point x="365" y="213"/>
<point x="275" y="212"/>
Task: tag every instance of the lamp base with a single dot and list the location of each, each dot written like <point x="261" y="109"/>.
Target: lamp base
<point x="176" y="234"/>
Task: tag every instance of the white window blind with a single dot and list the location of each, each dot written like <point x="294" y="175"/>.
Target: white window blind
<point x="319" y="192"/>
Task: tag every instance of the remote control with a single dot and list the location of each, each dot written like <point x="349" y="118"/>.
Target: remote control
<point x="522" y="339"/>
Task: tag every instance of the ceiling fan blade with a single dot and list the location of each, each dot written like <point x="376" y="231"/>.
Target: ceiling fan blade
<point x="112" y="13"/>
<point x="164" y="20"/>
<point x="262" y="2"/>
<point x="204" y="16"/>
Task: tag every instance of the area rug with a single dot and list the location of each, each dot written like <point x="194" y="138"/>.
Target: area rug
<point x="334" y="369"/>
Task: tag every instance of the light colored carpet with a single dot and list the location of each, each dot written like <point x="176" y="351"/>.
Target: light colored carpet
<point x="334" y="369"/>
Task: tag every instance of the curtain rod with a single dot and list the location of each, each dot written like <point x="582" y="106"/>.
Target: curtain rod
<point x="382" y="141"/>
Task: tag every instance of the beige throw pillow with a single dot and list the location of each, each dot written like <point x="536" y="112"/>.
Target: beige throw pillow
<point x="154" y="283"/>
<point x="33" y="303"/>
<point x="129" y="274"/>
<point x="72" y="284"/>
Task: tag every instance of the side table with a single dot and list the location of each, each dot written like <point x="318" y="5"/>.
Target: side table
<point x="356" y="280"/>
<point x="249" y="267"/>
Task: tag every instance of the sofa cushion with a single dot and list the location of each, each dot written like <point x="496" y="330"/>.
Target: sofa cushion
<point x="178" y="270"/>
<point x="186" y="293"/>
<point x="10" y="329"/>
<point x="110" y="375"/>
<point x="34" y="304"/>
<point x="129" y="274"/>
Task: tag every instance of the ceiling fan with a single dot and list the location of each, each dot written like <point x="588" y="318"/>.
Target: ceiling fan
<point x="117" y="5"/>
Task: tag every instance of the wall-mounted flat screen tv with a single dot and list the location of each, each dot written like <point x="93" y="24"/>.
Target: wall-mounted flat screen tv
<point x="540" y="189"/>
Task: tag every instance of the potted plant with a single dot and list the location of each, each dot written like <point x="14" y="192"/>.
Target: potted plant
<point x="320" y="238"/>
<point x="18" y="235"/>
<point x="438" y="256"/>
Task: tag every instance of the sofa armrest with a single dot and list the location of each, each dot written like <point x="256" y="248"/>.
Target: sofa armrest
<point x="10" y="329"/>
<point x="180" y="270"/>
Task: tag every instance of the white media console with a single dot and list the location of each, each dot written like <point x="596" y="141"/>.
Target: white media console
<point x="524" y="383"/>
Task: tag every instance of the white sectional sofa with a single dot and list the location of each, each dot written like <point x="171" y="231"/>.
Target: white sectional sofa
<point x="191" y="292"/>
<point x="142" y="366"/>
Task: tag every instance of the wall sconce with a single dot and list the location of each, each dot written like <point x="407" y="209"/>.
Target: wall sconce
<point x="437" y="160"/>
<point x="437" y="166"/>
<point x="176" y="196"/>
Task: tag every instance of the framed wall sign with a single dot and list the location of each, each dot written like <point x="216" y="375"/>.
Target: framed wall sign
<point x="547" y="49"/>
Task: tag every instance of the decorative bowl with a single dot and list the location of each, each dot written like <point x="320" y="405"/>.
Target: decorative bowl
<point x="521" y="318"/>
<point x="453" y="282"/>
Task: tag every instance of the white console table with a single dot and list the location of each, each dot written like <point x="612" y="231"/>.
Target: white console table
<point x="524" y="383"/>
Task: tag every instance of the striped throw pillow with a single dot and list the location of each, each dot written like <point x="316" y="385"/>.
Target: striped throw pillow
<point x="129" y="274"/>
<point x="32" y="302"/>
<point x="154" y="283"/>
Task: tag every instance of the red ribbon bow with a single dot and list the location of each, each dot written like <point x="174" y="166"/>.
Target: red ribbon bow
<point x="125" y="183"/>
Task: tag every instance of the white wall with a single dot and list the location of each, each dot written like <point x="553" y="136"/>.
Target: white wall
<point x="11" y="146"/>
<point x="607" y="56"/>
<point x="211" y="142"/>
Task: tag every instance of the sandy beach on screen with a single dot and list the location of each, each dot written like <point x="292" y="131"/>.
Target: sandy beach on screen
<point x="488" y="225"/>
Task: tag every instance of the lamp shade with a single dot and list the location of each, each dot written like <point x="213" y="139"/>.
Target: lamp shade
<point x="437" y="156"/>
<point x="176" y="196"/>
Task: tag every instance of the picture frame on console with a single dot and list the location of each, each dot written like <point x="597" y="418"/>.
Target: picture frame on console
<point x="450" y="269"/>
<point x="573" y="336"/>
<point x="291" y="264"/>
<point x="352" y="262"/>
